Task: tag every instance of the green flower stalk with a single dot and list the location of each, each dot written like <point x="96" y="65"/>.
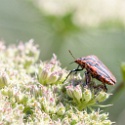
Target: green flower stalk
<point x="123" y="70"/>
<point x="45" y="99"/>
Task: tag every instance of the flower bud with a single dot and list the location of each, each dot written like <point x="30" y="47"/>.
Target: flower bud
<point x="20" y="107"/>
<point x="42" y="76"/>
<point x="77" y="92"/>
<point x="107" y="122"/>
<point x="10" y="92"/>
<point x="102" y="96"/>
<point x="4" y="91"/>
<point x="52" y="110"/>
<point x="60" y="109"/>
<point x="103" y="116"/>
<point x="69" y="90"/>
<point x="45" y="105"/>
<point x="21" y="98"/>
<point x="52" y="78"/>
<point x="65" y="121"/>
<point x="3" y="80"/>
<point x="75" y="119"/>
<point x="87" y="95"/>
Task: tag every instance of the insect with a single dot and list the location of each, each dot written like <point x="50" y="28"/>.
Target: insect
<point x="95" y="69"/>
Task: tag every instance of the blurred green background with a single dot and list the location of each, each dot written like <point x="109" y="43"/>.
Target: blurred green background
<point x="23" y="20"/>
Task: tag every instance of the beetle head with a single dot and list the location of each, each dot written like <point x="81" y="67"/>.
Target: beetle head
<point x="80" y="62"/>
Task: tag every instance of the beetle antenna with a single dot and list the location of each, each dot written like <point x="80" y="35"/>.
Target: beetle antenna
<point x="72" y="54"/>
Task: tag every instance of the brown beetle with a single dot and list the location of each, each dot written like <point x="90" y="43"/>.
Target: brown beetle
<point x="94" y="68"/>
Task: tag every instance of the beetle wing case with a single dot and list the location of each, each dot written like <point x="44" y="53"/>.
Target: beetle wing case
<point x="97" y="69"/>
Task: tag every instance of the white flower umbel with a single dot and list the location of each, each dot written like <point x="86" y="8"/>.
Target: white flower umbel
<point x="45" y="99"/>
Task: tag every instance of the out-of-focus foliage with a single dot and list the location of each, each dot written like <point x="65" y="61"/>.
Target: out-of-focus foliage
<point x="86" y="13"/>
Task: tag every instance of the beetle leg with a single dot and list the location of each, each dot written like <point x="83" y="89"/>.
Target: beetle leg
<point x="102" y="87"/>
<point x="105" y="88"/>
<point x="87" y="77"/>
<point x="77" y="69"/>
<point x="74" y="70"/>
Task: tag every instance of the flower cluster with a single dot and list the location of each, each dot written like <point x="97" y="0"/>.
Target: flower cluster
<point x="85" y="97"/>
<point x="27" y="98"/>
<point x="50" y="72"/>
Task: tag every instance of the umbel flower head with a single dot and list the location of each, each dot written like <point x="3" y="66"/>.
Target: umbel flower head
<point x="50" y="72"/>
<point x="27" y="99"/>
<point x="85" y="96"/>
